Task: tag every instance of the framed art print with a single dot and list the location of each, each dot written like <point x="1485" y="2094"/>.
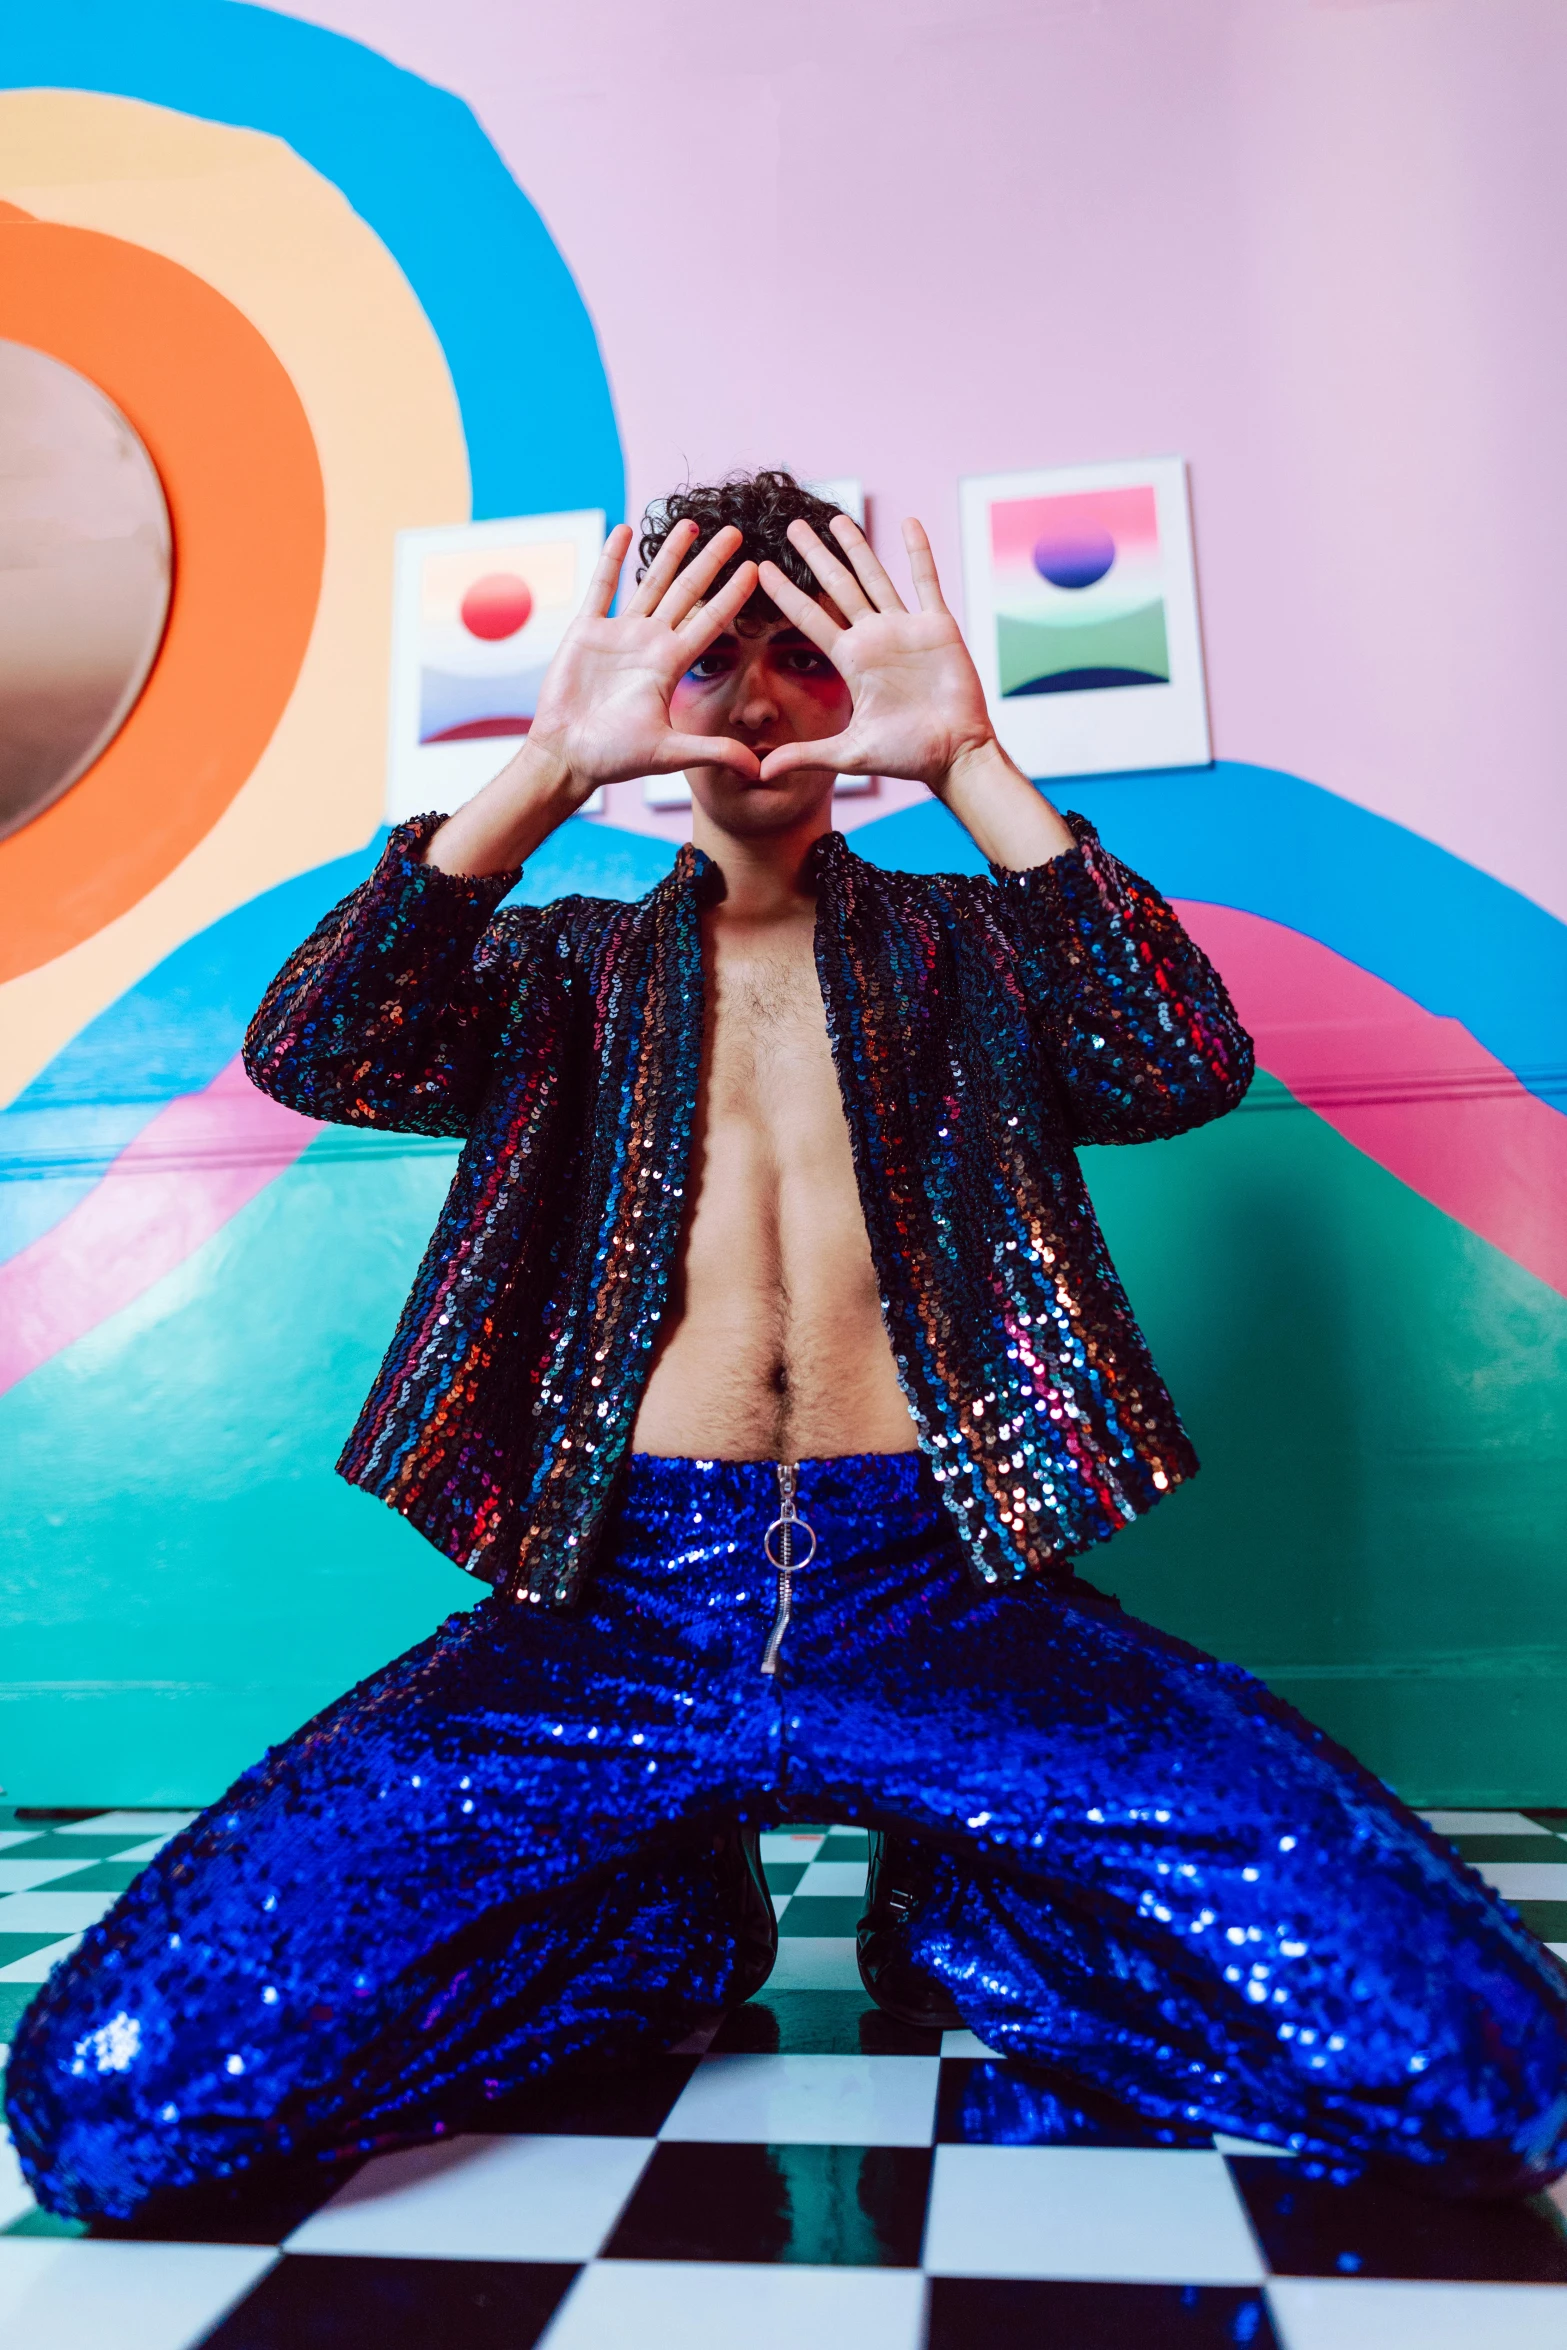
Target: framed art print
<point x="1082" y="616"/>
<point x="479" y="610"/>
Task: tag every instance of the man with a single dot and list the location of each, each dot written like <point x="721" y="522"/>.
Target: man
<point x="768" y="1362"/>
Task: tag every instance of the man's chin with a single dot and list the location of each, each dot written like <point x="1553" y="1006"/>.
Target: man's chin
<point x="748" y="805"/>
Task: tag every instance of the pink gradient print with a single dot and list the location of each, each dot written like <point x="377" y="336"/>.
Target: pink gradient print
<point x="1080" y="519"/>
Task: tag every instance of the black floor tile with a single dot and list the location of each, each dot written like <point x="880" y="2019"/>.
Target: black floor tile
<point x="992" y="2313"/>
<point x="817" y="2023"/>
<point x="622" y="2101"/>
<point x="44" y="1844"/>
<point x="783" y="1875"/>
<point x="252" y="2212"/>
<point x="985" y="2102"/>
<point x="1310" y="2228"/>
<point x="15" y="1946"/>
<point x="821" y="1913"/>
<point x="105" y="1876"/>
<point x="14" y="1999"/>
<point x="845" y="1844"/>
<point x="1547" y="1919"/>
<point x="1475" y="1849"/>
<point x="335" y="2303"/>
<point x="826" y="2206"/>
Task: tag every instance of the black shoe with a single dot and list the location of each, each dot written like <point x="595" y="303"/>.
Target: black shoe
<point x="739" y="1853"/>
<point x="898" y="1882"/>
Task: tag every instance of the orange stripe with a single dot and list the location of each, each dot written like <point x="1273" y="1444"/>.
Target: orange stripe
<point x="230" y="439"/>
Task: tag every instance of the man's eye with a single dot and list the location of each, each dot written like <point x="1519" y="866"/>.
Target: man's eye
<point x="708" y="665"/>
<point x="805" y="661"/>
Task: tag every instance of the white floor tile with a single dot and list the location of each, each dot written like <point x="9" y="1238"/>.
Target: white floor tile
<point x="15" y="2194"/>
<point x="1225" y="2144"/>
<point x="809" y="2101"/>
<point x="1557" y="1949"/>
<point x="842" y="1879"/>
<point x="129" y="1823"/>
<point x="968" y="2044"/>
<point x="142" y="1852"/>
<point x="780" y="1844"/>
<point x="709" y="2305"/>
<point x="524" y="2198"/>
<point x="1360" y="2313"/>
<point x="780" y="1902"/>
<point x="56" y="2294"/>
<point x="39" y="1964"/>
<point x="815" y="1962"/>
<point x="10" y="1836"/>
<point x="1099" y="2212"/>
<point x="1515" y="1880"/>
<point x="52" y="1913"/>
<point x="1483" y="1823"/>
<point x="25" y="1876"/>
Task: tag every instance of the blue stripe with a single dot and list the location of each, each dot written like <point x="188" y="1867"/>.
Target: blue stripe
<point x="1459" y="943"/>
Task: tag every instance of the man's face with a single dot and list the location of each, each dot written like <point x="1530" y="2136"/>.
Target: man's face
<point x="763" y="685"/>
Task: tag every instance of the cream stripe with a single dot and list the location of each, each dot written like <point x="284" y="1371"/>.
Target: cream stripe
<point x="241" y="210"/>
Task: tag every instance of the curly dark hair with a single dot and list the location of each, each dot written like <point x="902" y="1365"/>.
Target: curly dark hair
<point x="761" y="506"/>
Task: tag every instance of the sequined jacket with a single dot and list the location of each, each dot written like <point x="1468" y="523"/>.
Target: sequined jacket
<point x="981" y="1030"/>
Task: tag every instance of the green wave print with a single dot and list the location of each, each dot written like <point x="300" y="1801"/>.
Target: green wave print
<point x="1045" y="657"/>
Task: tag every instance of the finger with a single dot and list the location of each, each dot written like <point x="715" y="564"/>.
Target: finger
<point x="705" y="750"/>
<point x="803" y="610"/>
<point x="660" y="571"/>
<point x="922" y="567"/>
<point x="606" y="572"/>
<point x="868" y="569"/>
<point x="692" y="584"/>
<point x="709" y="620"/>
<point x="835" y="751"/>
<point x="830" y="569"/>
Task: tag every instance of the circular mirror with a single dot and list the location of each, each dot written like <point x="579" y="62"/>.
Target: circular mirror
<point x="85" y="564"/>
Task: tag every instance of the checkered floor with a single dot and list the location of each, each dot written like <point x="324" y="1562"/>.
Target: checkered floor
<point x="803" y="2169"/>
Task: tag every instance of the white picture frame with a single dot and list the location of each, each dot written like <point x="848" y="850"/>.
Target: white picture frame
<point x="461" y="695"/>
<point x="1081" y="613"/>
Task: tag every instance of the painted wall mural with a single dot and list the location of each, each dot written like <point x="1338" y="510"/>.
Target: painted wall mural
<point x="276" y="253"/>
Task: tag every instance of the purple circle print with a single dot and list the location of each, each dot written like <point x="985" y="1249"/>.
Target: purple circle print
<point x="1076" y="556"/>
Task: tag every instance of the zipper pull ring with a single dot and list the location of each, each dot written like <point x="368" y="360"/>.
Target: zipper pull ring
<point x="783" y="1560"/>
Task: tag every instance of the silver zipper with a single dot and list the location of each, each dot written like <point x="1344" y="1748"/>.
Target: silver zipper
<point x="785" y="1527"/>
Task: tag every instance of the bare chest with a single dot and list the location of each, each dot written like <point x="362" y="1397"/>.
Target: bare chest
<point x="769" y="1065"/>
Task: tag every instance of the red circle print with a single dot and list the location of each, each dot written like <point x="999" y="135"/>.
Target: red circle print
<point x="497" y="605"/>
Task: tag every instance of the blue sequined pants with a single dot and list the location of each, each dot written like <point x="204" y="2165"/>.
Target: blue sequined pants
<point x="494" y="1857"/>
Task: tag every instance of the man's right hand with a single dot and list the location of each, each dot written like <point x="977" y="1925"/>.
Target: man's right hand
<point x="603" y="711"/>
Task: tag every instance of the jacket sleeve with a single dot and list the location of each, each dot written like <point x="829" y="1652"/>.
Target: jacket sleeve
<point x="1136" y="1022"/>
<point x="389" y="1013"/>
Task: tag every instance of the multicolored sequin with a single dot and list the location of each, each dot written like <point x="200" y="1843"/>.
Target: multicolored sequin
<point x="1155" y="1886"/>
<point x="981" y="1030"/>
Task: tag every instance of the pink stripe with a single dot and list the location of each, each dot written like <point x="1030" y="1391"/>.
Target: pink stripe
<point x="166" y="1193"/>
<point x="1413" y="1091"/>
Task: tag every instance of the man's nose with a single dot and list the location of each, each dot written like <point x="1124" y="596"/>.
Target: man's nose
<point x="756" y="704"/>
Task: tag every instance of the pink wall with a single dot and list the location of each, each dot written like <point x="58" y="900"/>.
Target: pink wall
<point x="1308" y="246"/>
